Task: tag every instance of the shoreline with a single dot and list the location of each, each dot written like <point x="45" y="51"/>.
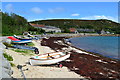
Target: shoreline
<point x="116" y="35"/>
<point x="81" y="64"/>
<point x="100" y="61"/>
<point x="93" y="53"/>
<point x="71" y="35"/>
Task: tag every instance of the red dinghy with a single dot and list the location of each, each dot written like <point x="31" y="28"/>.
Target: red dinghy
<point x="14" y="40"/>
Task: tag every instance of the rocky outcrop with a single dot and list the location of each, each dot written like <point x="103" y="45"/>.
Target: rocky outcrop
<point x="5" y="67"/>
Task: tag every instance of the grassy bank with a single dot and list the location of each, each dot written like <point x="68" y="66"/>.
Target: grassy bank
<point x="24" y="52"/>
<point x="9" y="58"/>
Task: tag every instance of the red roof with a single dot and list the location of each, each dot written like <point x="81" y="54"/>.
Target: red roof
<point x="41" y="25"/>
<point x="37" y="25"/>
<point x="72" y="29"/>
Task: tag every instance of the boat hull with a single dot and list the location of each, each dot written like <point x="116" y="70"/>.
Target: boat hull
<point x="49" y="61"/>
<point x="22" y="41"/>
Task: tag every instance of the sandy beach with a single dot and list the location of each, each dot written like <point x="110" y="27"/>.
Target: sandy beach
<point x="38" y="71"/>
<point x="81" y="64"/>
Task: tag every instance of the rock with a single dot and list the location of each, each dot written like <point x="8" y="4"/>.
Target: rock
<point x="5" y="66"/>
<point x="8" y="41"/>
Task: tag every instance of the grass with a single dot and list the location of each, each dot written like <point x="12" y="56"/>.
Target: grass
<point x="24" y="51"/>
<point x="8" y="57"/>
<point x="6" y="44"/>
<point x="30" y="44"/>
<point x="12" y="64"/>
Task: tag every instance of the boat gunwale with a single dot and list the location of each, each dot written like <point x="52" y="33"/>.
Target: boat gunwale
<point x="49" y="59"/>
<point x="49" y="53"/>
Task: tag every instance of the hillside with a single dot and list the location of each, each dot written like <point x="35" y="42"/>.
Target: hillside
<point x="15" y="24"/>
<point x="97" y="25"/>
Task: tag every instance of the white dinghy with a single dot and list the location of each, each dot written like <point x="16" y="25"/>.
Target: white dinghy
<point x="49" y="58"/>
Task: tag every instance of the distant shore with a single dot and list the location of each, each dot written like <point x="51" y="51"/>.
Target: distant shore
<point x="69" y="35"/>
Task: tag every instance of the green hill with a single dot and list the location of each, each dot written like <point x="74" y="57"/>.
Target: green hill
<point x="97" y="25"/>
<point x="15" y="24"/>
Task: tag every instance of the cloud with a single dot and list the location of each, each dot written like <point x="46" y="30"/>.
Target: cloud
<point x="101" y="17"/>
<point x="9" y="7"/>
<point x="55" y="10"/>
<point x="35" y="19"/>
<point x="36" y="10"/>
<point x="76" y="14"/>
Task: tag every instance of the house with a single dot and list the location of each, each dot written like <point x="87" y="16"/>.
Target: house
<point x="73" y="30"/>
<point x="107" y="32"/>
<point x="103" y="32"/>
<point x="47" y="28"/>
<point x="85" y="30"/>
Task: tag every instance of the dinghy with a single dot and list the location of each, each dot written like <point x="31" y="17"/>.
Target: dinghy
<point x="27" y="47"/>
<point x="14" y="40"/>
<point x="49" y="58"/>
<point x="20" y="38"/>
<point x="27" y="35"/>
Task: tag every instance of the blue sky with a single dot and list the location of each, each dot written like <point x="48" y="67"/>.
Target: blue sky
<point x="63" y="10"/>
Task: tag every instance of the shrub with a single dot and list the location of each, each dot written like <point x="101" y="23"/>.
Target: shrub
<point x="8" y="57"/>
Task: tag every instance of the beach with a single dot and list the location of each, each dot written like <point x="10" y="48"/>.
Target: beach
<point x="81" y="64"/>
<point x="87" y="64"/>
<point x="38" y="71"/>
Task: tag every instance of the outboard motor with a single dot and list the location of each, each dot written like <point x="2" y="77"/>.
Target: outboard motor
<point x="36" y="51"/>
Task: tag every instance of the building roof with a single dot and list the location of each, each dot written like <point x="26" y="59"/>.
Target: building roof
<point x="72" y="29"/>
<point x="37" y="25"/>
<point x="45" y="27"/>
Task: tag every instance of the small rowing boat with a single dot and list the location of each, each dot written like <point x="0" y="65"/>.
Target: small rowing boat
<point x="49" y="58"/>
<point x="20" y="38"/>
<point x="15" y="40"/>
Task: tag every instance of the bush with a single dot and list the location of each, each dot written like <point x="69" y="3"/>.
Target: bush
<point x="8" y="57"/>
<point x="13" y="65"/>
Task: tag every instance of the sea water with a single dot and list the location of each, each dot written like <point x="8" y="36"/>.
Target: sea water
<point x="105" y="45"/>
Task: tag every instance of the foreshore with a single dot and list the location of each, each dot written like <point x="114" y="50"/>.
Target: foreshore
<point x="52" y="71"/>
<point x="81" y="64"/>
<point x="86" y="64"/>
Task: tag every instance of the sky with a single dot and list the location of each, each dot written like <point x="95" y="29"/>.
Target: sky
<point x="63" y="10"/>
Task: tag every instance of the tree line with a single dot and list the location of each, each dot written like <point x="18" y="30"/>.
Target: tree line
<point x="15" y="24"/>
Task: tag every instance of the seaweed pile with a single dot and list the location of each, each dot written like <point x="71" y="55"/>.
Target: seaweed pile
<point x="51" y="43"/>
<point x="88" y="65"/>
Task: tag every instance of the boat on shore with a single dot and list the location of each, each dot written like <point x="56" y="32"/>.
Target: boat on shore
<point x="49" y="58"/>
<point x="21" y="38"/>
<point x="17" y="41"/>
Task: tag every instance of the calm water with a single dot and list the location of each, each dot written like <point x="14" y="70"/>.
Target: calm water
<point x="105" y="45"/>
